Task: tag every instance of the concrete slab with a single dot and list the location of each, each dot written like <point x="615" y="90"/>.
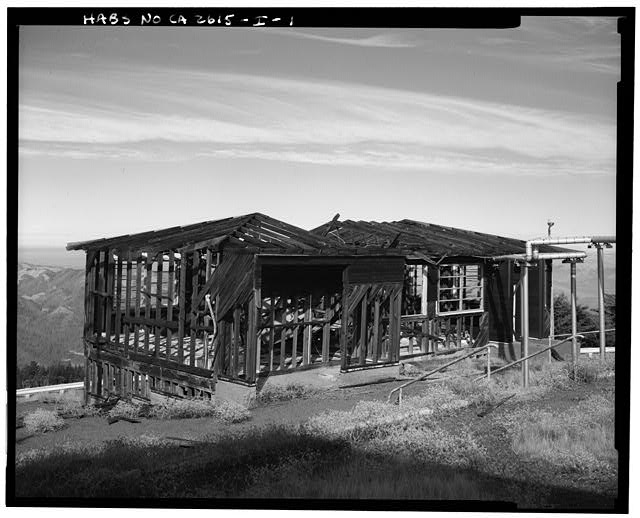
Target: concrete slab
<point x="244" y="395"/>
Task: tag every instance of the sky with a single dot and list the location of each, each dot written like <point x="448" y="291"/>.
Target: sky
<point x="128" y="129"/>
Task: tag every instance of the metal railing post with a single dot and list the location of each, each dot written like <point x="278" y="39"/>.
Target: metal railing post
<point x="574" y="320"/>
<point x="524" y="321"/>
<point x="603" y="340"/>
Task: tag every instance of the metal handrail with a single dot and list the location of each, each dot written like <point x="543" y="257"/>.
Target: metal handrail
<point x="529" y="356"/>
<point x="585" y="332"/>
<point x="425" y="376"/>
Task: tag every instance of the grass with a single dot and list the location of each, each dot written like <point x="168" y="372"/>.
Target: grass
<point x="578" y="439"/>
<point x="42" y="421"/>
<point x="221" y="410"/>
<point x="423" y="449"/>
<point x="273" y="393"/>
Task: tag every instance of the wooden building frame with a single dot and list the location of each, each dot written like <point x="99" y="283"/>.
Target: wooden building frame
<point x="431" y="249"/>
<point x="172" y="311"/>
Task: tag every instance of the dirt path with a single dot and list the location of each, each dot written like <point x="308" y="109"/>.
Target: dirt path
<point x="93" y="430"/>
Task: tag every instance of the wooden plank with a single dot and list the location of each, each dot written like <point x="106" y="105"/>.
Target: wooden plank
<point x="127" y="304"/>
<point x="88" y="310"/>
<point x="158" y="302"/>
<point x="108" y="302"/>
<point x="307" y="330"/>
<point x="235" y="345"/>
<point x="363" y="330"/>
<point x="283" y="332"/>
<point x="376" y="330"/>
<point x="252" y="338"/>
<point x="326" y="330"/>
<point x="170" y="294"/>
<point x="343" y="327"/>
<point x="136" y="331"/>
<point x="195" y="275"/>
<point x="147" y="304"/>
<point x="182" y="303"/>
<point x="295" y="329"/>
<point x="272" y="334"/>
<point x="151" y="322"/>
<point x="118" y="305"/>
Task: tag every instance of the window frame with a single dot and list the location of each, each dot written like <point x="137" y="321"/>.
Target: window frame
<point x="461" y="287"/>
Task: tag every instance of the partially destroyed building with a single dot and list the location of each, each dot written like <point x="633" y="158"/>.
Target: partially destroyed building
<point x="188" y="310"/>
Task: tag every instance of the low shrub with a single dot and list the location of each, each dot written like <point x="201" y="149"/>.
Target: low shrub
<point x="589" y="371"/>
<point x="125" y="409"/>
<point x="581" y="438"/>
<point x="41" y="421"/>
<point x="188" y="408"/>
<point x="430" y="444"/>
<point x="75" y="409"/>
<point x="272" y="393"/>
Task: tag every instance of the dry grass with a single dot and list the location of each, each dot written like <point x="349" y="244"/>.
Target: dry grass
<point x="272" y="393"/>
<point x="578" y="439"/>
<point x="222" y="410"/>
<point x="41" y="421"/>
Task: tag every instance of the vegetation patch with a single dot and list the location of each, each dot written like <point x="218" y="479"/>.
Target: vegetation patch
<point x="272" y="393"/>
<point x="578" y="439"/>
<point x="41" y="421"/>
<point x="226" y="411"/>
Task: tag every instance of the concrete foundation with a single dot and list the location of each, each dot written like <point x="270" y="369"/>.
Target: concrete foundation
<point x="244" y="395"/>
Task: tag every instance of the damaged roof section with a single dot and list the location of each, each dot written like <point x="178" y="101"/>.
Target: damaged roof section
<point x="423" y="241"/>
<point x="253" y="233"/>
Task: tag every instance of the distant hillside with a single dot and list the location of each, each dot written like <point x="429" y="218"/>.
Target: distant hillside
<point x="586" y="277"/>
<point x="50" y="314"/>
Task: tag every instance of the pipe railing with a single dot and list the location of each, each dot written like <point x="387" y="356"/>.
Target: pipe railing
<point x="586" y="332"/>
<point x="525" y="358"/>
<point x="435" y="371"/>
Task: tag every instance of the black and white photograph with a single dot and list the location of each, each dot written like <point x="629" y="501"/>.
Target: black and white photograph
<point x="327" y="258"/>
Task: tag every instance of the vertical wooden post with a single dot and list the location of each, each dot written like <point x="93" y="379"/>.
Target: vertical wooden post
<point x="89" y="282"/>
<point x="195" y="276"/>
<point x="98" y="306"/>
<point x="283" y="333"/>
<point x="294" y="330"/>
<point x="306" y="330"/>
<point x="395" y="343"/>
<point x="252" y="338"/>
<point x="136" y="327"/>
<point x="87" y="378"/>
<point x="235" y="347"/>
<point x="127" y="306"/>
<point x="343" y="322"/>
<point x="326" y="329"/>
<point x="182" y="302"/>
<point x="376" y="329"/>
<point x="459" y="331"/>
<point x="108" y="301"/>
<point x="272" y="335"/>
<point x="147" y="301"/>
<point x="118" y="305"/>
<point x="158" y="306"/>
<point x="363" y="330"/>
<point x="170" y="294"/>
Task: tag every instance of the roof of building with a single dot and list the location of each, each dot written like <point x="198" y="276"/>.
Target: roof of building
<point x="254" y="232"/>
<point x="424" y="240"/>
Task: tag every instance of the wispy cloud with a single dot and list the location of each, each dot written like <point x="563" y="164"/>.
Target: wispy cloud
<point x="152" y="114"/>
<point x="384" y="40"/>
